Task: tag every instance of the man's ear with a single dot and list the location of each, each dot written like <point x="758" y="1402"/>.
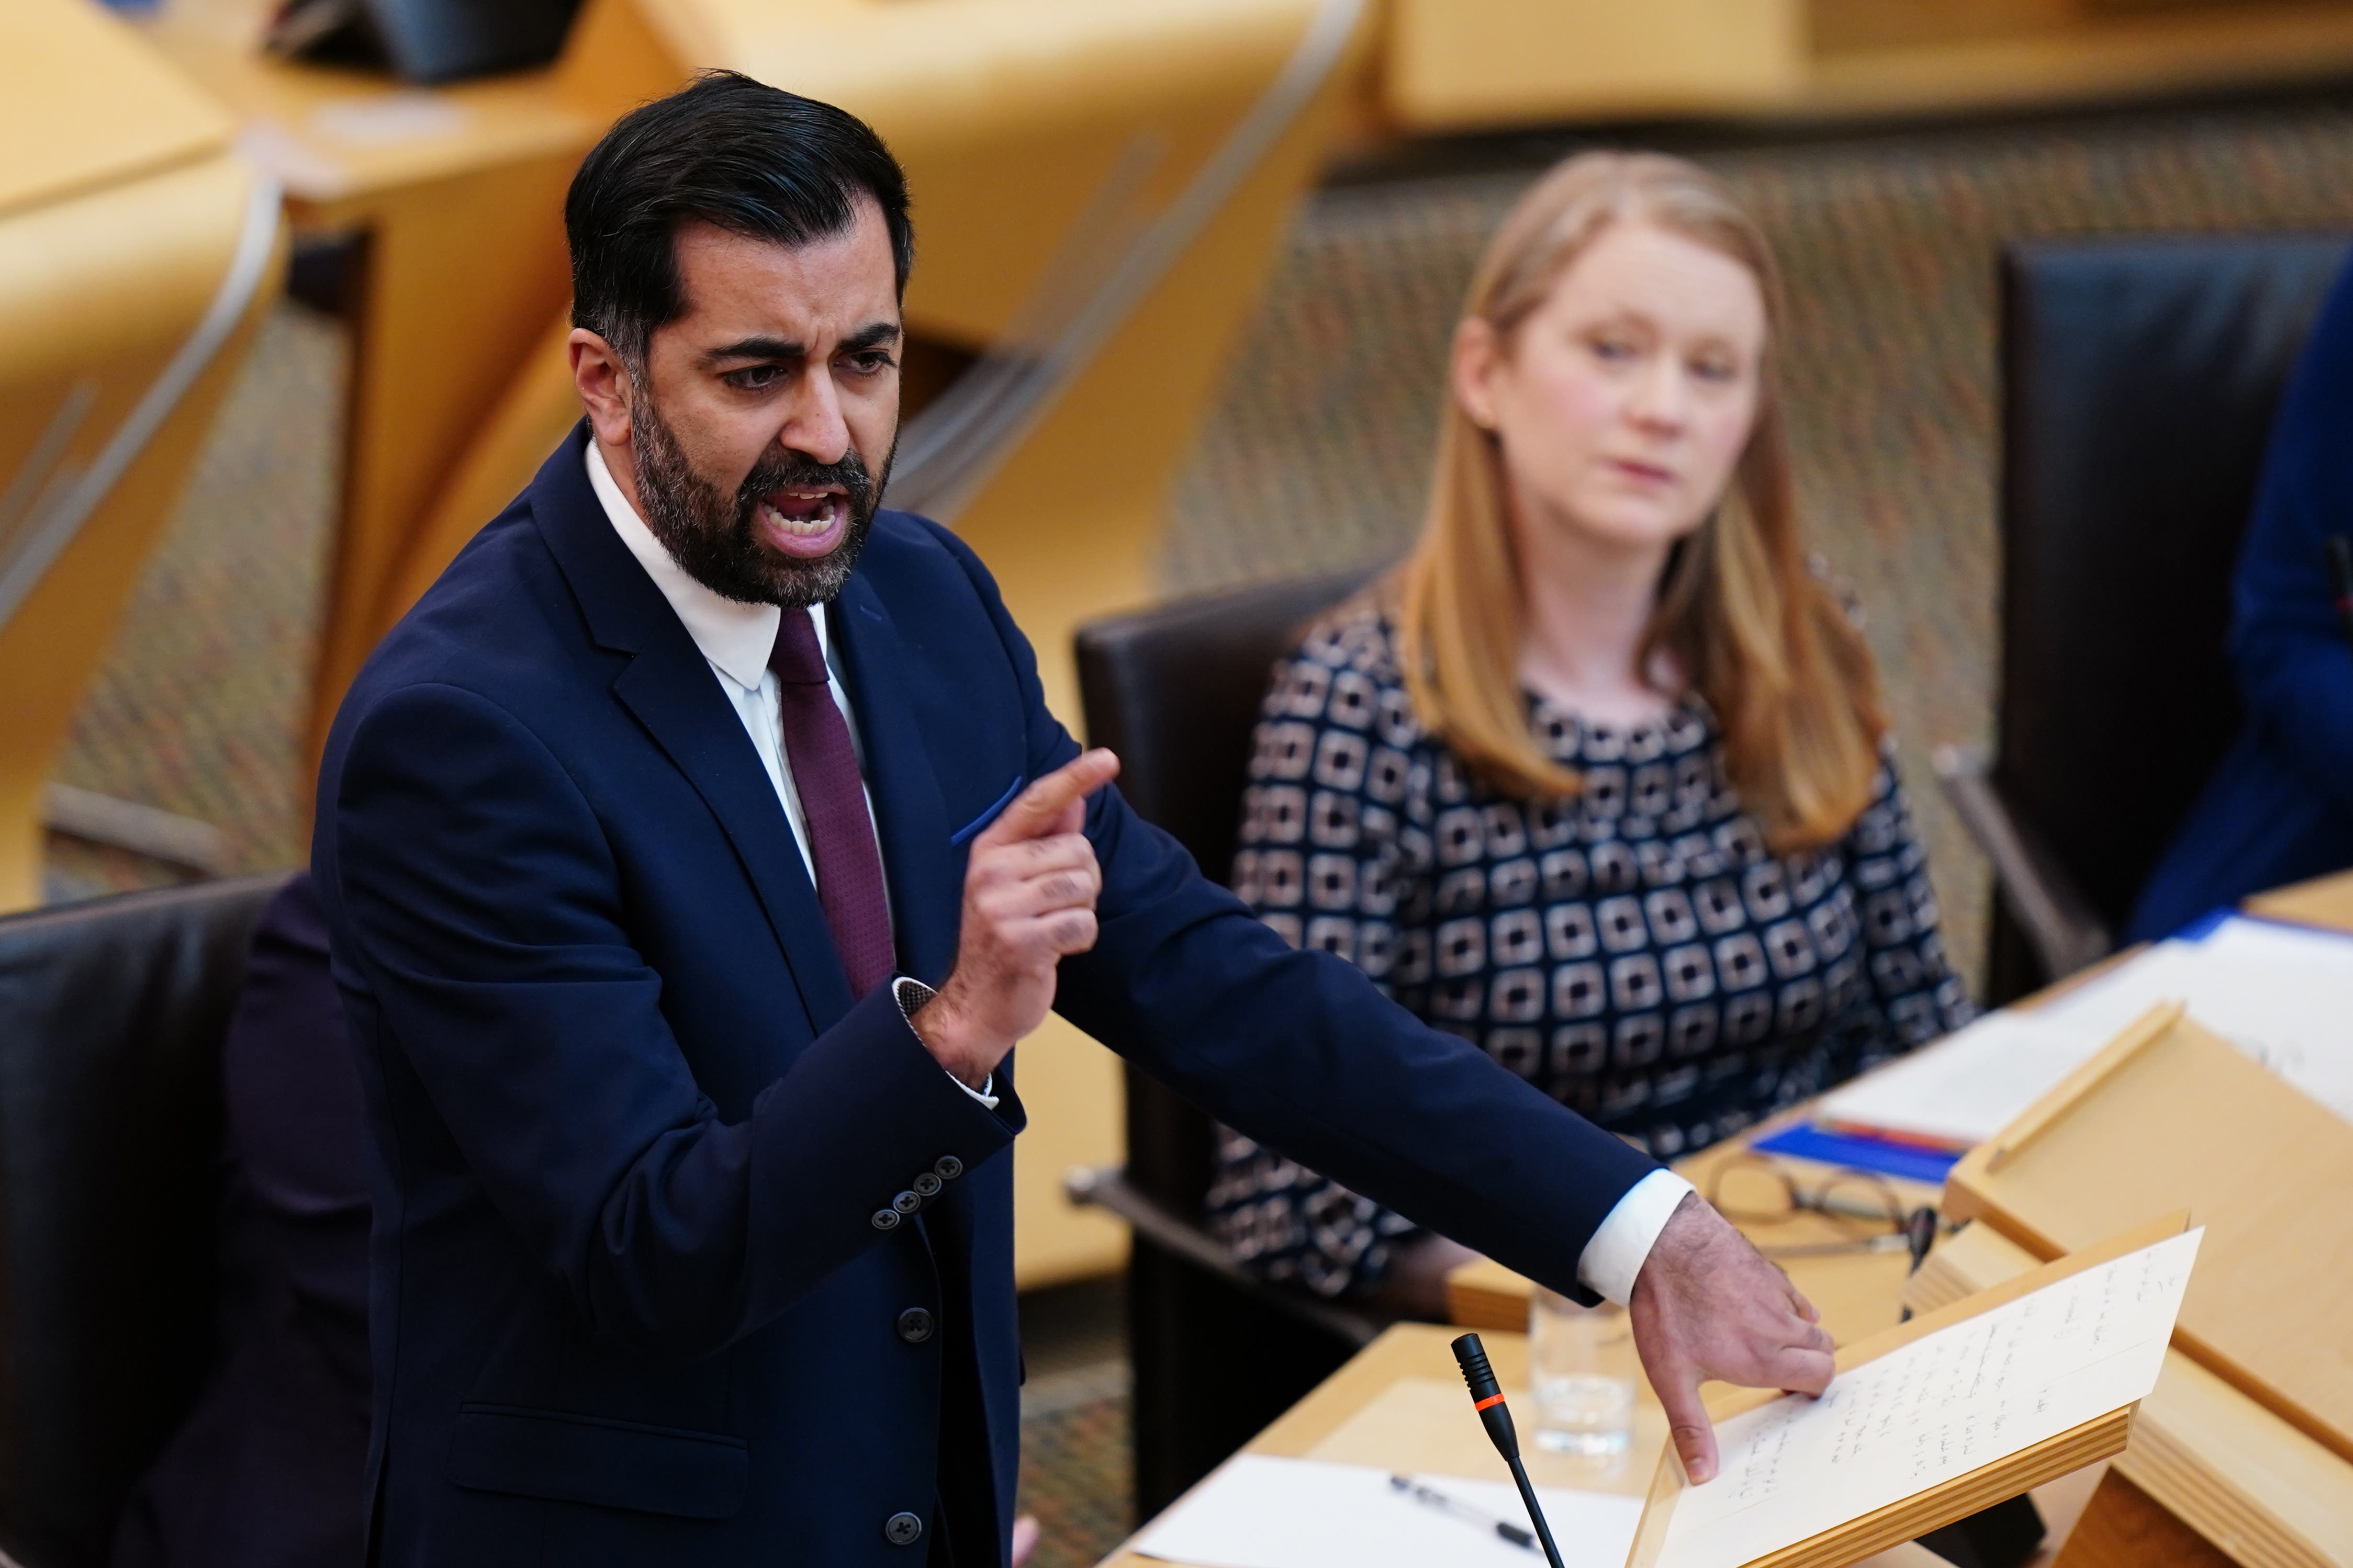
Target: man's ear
<point x="604" y="385"/>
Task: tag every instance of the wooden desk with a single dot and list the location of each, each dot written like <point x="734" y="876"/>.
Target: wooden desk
<point x="1400" y="1405"/>
<point x="2325" y="901"/>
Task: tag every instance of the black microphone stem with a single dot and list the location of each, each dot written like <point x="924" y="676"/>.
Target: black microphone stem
<point x="1536" y="1512"/>
<point x="1487" y="1399"/>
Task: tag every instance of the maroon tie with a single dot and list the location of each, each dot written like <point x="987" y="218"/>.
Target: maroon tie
<point x="841" y="833"/>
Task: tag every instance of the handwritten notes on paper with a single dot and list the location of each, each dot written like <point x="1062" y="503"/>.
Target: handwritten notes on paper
<point x="1937" y="1408"/>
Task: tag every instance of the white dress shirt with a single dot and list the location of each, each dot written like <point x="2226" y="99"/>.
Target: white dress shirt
<point x="1626" y="1235"/>
<point x="735" y="639"/>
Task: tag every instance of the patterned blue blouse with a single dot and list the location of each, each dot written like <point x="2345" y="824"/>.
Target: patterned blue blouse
<point x="1635" y="950"/>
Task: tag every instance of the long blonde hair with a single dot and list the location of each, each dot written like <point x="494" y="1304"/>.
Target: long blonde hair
<point x="1767" y="645"/>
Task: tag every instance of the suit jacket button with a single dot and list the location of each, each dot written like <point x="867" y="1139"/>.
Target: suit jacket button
<point x="902" y="1529"/>
<point x="948" y="1166"/>
<point x="914" y="1325"/>
<point x="906" y="1203"/>
<point x="886" y="1219"/>
<point x="926" y="1185"/>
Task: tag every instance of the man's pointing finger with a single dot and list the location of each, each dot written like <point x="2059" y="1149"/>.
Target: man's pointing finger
<point x="1040" y="808"/>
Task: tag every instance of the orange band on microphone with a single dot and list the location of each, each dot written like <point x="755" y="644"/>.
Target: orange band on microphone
<point x="1491" y="1399"/>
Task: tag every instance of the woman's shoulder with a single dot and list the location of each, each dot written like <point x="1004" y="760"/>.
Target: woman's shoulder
<point x="1356" y="636"/>
<point x="1343" y="671"/>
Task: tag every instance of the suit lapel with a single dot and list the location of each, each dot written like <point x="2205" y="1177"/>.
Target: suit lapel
<point x="668" y="687"/>
<point x="926" y="894"/>
<point x="675" y="696"/>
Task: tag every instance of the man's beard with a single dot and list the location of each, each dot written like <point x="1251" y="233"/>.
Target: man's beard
<point x="715" y="539"/>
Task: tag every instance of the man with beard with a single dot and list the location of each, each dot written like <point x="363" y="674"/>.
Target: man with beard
<point x="644" y="840"/>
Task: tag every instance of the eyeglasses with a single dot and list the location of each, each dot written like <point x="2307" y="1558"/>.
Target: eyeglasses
<point x="1752" y="1190"/>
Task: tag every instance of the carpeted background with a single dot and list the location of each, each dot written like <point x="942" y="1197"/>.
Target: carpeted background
<point x="1315" y="457"/>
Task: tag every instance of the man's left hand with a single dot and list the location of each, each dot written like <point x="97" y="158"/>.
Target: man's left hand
<point x="1707" y="1304"/>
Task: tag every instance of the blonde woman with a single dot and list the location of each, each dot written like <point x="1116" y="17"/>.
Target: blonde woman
<point x="1598" y="779"/>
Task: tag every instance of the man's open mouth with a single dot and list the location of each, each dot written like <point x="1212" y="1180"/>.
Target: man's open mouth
<point x="804" y="523"/>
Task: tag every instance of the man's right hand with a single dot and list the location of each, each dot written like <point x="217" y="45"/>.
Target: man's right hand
<point x="1030" y="890"/>
<point x="1707" y="1304"/>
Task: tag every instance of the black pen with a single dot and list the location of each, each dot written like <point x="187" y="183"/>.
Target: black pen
<point x="1434" y="1497"/>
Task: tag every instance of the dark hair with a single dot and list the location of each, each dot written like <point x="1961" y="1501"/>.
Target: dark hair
<point x="734" y="153"/>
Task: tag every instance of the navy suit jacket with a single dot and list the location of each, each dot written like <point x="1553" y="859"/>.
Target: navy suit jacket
<point x="2279" y="805"/>
<point x="636" y="1268"/>
<point x="265" y="1472"/>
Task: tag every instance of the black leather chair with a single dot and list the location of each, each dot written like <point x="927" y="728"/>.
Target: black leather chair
<point x="2139" y="378"/>
<point x="1217" y="1353"/>
<point x="111" y="1017"/>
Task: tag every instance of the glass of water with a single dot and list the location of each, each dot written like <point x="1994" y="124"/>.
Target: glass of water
<point x="1582" y="1368"/>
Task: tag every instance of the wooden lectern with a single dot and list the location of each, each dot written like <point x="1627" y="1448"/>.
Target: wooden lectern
<point x="2245" y="1451"/>
<point x="2167" y="1116"/>
<point x="137" y="254"/>
<point x="2210" y="1476"/>
<point x="1948" y="1501"/>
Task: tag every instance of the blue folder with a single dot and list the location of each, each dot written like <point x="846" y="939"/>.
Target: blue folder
<point x="1908" y="1161"/>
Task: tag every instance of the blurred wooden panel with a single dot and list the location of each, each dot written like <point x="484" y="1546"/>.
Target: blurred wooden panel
<point x="84" y="104"/>
<point x="100" y="295"/>
<point x="2325" y="901"/>
<point x="2203" y="46"/>
<point x="1460" y="65"/>
<point x="460" y="277"/>
<point x="336" y="136"/>
<point x="458" y="192"/>
<point x="1834" y="26"/>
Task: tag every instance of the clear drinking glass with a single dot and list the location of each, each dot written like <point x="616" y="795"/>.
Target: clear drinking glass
<point x="1582" y="1368"/>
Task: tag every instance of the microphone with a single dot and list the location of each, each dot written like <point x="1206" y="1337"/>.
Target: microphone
<point x="1487" y="1399"/>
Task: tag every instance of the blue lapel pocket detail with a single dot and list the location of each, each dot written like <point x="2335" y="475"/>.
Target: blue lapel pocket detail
<point x="985" y="818"/>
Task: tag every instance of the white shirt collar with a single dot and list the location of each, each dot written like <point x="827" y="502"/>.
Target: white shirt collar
<point x="735" y="637"/>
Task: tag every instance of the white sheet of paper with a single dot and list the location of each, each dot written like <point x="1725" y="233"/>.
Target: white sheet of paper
<point x="1938" y="1408"/>
<point x="1969" y="1086"/>
<point x="2282" y="994"/>
<point x="1263" y="1513"/>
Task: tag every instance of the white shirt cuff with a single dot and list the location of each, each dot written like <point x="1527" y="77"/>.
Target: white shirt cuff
<point x="912" y="994"/>
<point x="1624" y="1239"/>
